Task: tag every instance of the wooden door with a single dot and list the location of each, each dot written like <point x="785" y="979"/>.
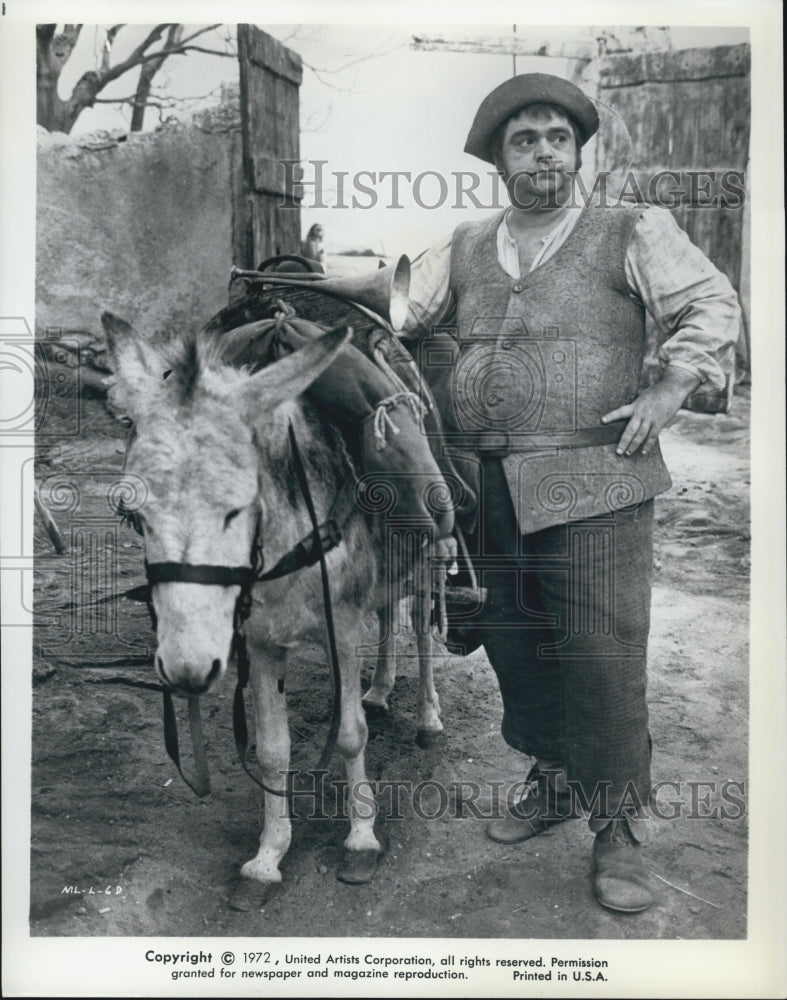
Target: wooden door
<point x="689" y="111"/>
<point x="267" y="217"/>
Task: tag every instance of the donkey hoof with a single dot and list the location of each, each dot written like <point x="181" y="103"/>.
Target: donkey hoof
<point x="375" y="709"/>
<point x="251" y="895"/>
<point x="358" y="867"/>
<point x="428" y="739"/>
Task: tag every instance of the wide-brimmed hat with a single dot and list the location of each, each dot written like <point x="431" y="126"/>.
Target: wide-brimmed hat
<point x="515" y="94"/>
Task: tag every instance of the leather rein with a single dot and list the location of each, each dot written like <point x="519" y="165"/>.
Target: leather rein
<point x="307" y="552"/>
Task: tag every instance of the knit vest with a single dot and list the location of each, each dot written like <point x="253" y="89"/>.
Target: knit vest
<point x="551" y="353"/>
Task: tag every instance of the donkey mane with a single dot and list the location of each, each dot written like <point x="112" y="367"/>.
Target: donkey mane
<point x="186" y="357"/>
<point x="193" y="358"/>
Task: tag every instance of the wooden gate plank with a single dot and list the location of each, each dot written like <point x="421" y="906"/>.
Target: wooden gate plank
<point x="270" y="77"/>
<point x="686" y="111"/>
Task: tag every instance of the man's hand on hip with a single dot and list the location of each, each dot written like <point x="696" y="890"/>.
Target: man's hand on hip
<point x="652" y="410"/>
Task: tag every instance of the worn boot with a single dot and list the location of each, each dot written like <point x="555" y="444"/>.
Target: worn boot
<point x="539" y="808"/>
<point x="620" y="879"/>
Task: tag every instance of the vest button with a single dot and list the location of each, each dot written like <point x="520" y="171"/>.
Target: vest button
<point x="517" y="287"/>
<point x="506" y="345"/>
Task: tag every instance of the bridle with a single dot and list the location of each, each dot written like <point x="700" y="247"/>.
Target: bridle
<point x="307" y="552"/>
<point x="209" y="575"/>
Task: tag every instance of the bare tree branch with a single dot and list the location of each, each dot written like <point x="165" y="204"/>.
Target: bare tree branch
<point x="154" y="35"/>
<point x="53" y="51"/>
<point x="320" y="70"/>
<point x="146" y="74"/>
<point x="316" y="124"/>
<point x="172" y="102"/>
<point x="179" y="50"/>
<point x="115" y="100"/>
<point x="325" y="83"/>
<point x="377" y="54"/>
<point x="45" y="33"/>
<point x="196" y="34"/>
<point x="111" y="33"/>
<point x="137" y="56"/>
<point x="196" y="48"/>
<point x="72" y="32"/>
<point x="63" y="45"/>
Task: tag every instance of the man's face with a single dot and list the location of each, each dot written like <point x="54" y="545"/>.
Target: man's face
<point x="537" y="154"/>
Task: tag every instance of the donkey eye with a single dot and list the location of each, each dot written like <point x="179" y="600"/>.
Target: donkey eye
<point x="231" y="517"/>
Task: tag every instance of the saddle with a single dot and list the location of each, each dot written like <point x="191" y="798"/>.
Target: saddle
<point x="376" y="384"/>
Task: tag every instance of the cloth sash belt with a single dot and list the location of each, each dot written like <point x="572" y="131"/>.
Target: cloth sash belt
<point x="498" y="444"/>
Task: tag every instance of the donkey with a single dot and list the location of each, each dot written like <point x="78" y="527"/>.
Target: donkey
<point x="213" y="445"/>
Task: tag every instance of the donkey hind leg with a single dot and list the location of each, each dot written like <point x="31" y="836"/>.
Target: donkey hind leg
<point x="361" y="848"/>
<point x="375" y="701"/>
<point x="429" y="726"/>
<point x="261" y="876"/>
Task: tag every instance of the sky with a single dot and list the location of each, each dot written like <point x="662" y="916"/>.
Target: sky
<point x="370" y="102"/>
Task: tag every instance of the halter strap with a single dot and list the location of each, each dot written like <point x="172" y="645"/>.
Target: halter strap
<point x="221" y="576"/>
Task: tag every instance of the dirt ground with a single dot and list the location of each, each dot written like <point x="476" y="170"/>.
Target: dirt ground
<point x="109" y="810"/>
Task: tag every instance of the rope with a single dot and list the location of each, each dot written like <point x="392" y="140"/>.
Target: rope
<point x="383" y="422"/>
<point x="463" y="546"/>
<point x="442" y="614"/>
<point x="285" y="311"/>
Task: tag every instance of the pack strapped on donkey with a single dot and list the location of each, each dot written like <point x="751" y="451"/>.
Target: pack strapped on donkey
<point x="375" y="385"/>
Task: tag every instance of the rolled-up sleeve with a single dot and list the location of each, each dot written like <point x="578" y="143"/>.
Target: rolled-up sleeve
<point x="692" y="303"/>
<point x="431" y="300"/>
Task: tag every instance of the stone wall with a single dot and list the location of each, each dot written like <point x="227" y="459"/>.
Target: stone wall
<point x="140" y="225"/>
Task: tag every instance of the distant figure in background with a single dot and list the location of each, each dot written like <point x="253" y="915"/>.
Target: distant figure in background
<point x="311" y="247"/>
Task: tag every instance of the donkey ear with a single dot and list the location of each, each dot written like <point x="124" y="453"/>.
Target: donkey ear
<point x="290" y="376"/>
<point x="134" y="371"/>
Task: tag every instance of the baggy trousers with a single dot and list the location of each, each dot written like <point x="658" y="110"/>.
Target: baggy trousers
<point x="565" y="627"/>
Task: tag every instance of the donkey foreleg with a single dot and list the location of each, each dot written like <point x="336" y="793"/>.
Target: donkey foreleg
<point x="361" y="846"/>
<point x="428" y="721"/>
<point x="375" y="701"/>
<point x="273" y="756"/>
